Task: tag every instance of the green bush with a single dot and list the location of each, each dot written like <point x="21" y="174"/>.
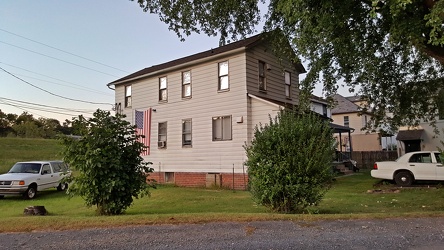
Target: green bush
<point x="110" y="171"/>
<point x="289" y="161"/>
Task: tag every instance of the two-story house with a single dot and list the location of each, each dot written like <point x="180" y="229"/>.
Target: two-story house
<point x="347" y="112"/>
<point x="199" y="111"/>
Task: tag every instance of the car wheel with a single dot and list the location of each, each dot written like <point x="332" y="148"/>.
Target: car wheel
<point x="62" y="186"/>
<point x="30" y="193"/>
<point x="404" y="178"/>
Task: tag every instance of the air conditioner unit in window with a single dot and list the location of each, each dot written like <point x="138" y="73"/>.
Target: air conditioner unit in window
<point x="161" y="144"/>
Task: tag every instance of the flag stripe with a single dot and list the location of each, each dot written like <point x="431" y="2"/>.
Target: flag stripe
<point x="143" y="127"/>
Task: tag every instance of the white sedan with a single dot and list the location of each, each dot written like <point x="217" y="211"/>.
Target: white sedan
<point x="420" y="165"/>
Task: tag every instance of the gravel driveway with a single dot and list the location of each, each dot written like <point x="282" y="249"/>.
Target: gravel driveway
<point x="409" y="233"/>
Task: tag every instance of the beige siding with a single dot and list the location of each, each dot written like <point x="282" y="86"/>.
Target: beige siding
<point x="207" y="102"/>
<point x="205" y="155"/>
<point x="361" y="139"/>
<point x="275" y="76"/>
<point x="261" y="111"/>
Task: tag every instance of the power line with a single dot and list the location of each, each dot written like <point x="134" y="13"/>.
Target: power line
<point x="94" y="90"/>
<point x="55" y="58"/>
<point x="49" y="46"/>
<point x="67" y="98"/>
<point x="47" y="106"/>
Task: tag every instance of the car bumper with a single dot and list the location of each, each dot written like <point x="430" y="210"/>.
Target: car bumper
<point x="13" y="190"/>
<point x="387" y="175"/>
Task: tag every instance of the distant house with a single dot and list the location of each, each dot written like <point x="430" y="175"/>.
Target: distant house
<point x="422" y="137"/>
<point x="348" y="113"/>
<point x="199" y="111"/>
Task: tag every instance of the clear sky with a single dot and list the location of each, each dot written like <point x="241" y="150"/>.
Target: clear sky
<point x="72" y="49"/>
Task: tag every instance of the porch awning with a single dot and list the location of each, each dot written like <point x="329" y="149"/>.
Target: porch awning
<point x="409" y="135"/>
<point x="341" y="129"/>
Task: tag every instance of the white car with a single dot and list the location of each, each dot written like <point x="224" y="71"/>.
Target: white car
<point x="27" y="178"/>
<point x="420" y="165"/>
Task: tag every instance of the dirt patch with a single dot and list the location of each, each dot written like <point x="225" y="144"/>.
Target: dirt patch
<point x="384" y="191"/>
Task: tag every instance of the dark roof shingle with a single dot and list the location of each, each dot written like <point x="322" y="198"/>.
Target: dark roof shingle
<point x="245" y="43"/>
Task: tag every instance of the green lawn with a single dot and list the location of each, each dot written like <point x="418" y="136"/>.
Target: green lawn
<point x="348" y="198"/>
<point x="13" y="150"/>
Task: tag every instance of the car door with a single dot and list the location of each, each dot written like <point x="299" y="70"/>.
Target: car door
<point x="46" y="179"/>
<point x="439" y="167"/>
<point x="422" y="166"/>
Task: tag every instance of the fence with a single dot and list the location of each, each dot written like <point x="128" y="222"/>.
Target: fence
<point x="366" y="159"/>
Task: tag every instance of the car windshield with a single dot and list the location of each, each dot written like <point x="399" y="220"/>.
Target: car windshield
<point x="32" y="168"/>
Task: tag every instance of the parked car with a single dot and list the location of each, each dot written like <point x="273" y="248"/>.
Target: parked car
<point x="27" y="178"/>
<point x="420" y="165"/>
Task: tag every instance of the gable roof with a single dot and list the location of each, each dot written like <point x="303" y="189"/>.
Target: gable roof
<point x="344" y="105"/>
<point x="242" y="44"/>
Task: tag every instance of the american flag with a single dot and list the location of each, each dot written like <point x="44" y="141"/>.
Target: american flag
<point x="143" y="127"/>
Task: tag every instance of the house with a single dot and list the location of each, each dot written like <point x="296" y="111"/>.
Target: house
<point x="348" y="113"/>
<point x="421" y="137"/>
<point x="199" y="111"/>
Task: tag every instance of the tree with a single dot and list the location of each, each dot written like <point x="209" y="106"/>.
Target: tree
<point x="376" y="48"/>
<point x="111" y="171"/>
<point x="281" y="175"/>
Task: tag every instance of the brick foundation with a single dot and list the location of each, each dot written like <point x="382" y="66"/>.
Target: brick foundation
<point x="208" y="180"/>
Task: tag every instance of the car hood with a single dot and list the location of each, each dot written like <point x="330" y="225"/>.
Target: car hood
<point x="16" y="176"/>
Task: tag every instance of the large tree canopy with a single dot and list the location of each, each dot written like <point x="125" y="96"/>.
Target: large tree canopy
<point x="391" y="52"/>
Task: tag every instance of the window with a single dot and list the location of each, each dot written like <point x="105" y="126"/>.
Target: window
<point x="46" y="169"/>
<point x="186" y="132"/>
<point x="346" y="121"/>
<point x="287" y="84"/>
<point x="186" y="84"/>
<point x="438" y="157"/>
<point x="324" y="110"/>
<point x="421" y="158"/>
<point x="223" y="76"/>
<point x="163" y="91"/>
<point x="364" y="121"/>
<point x="262" y="78"/>
<point x="162" y="135"/>
<point x="221" y="128"/>
<point x="128" y="96"/>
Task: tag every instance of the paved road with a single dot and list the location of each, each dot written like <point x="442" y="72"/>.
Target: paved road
<point x="420" y="233"/>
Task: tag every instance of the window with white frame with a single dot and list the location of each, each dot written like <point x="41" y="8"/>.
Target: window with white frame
<point x="224" y="83"/>
<point x="222" y="128"/>
<point x="287" y="84"/>
<point x="364" y="121"/>
<point x="163" y="89"/>
<point x="262" y="76"/>
<point x="186" y="132"/>
<point x="162" y="134"/>
<point x="128" y="96"/>
<point x="346" y="121"/>
<point x="186" y="84"/>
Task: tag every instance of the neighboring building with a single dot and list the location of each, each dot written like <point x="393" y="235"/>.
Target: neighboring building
<point x="199" y="111"/>
<point x="347" y="112"/>
<point x="422" y="137"/>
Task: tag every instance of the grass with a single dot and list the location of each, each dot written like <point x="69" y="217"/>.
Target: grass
<point x="23" y="149"/>
<point x="349" y="198"/>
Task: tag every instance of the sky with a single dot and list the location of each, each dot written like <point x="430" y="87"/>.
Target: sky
<point x="57" y="56"/>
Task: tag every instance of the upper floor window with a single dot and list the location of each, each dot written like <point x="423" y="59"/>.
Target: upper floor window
<point x="128" y="96"/>
<point x="324" y="110"/>
<point x="262" y="76"/>
<point x="221" y="128"/>
<point x="186" y="84"/>
<point x="364" y="121"/>
<point x="346" y="121"/>
<point x="163" y="89"/>
<point x="287" y="84"/>
<point x="223" y="76"/>
<point x="186" y="132"/>
<point x="162" y="135"/>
